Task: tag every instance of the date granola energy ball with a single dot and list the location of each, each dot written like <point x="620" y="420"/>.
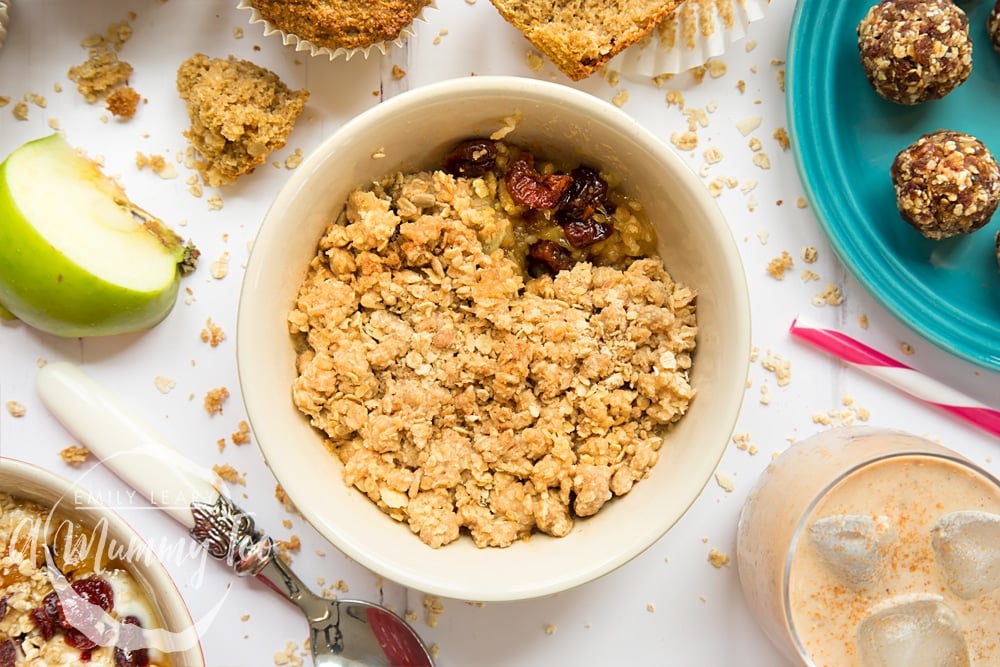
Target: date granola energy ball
<point x="914" y="51"/>
<point x="993" y="26"/>
<point x="947" y="183"/>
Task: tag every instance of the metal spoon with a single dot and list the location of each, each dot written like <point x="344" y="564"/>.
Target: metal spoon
<point x="342" y="632"/>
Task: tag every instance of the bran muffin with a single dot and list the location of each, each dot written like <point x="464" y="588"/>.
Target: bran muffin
<point x="338" y="26"/>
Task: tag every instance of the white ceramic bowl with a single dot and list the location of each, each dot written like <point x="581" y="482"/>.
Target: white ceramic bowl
<point x="413" y="130"/>
<point x="29" y="482"/>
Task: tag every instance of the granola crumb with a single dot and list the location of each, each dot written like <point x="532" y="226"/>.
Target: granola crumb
<point x="863" y="321"/>
<point x="717" y="559"/>
<point x="16" y="409"/>
<point x="212" y="333"/>
<point x="229" y="474"/>
<point x="550" y="629"/>
<point x="215" y="202"/>
<point x="810" y="254"/>
<point x="242" y="434"/>
<point x="650" y="607"/>
<point x="123" y="102"/>
<point x="237" y="33"/>
<point x="777" y="267"/>
<point x="287" y="547"/>
<point x="761" y="160"/>
<point x="620" y="98"/>
<point x="285" y="501"/>
<point x="214" y="400"/>
<point x="398" y="72"/>
<point x="157" y="163"/>
<point x="220" y="444"/>
<point x="906" y="348"/>
<point x="433" y="608"/>
<point x="75" y="455"/>
<point x="781" y="136"/>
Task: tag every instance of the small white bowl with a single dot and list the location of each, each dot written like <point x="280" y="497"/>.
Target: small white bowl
<point x="26" y="481"/>
<point x="413" y="131"/>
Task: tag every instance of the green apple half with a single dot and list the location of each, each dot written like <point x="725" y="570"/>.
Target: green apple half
<point x="77" y="258"/>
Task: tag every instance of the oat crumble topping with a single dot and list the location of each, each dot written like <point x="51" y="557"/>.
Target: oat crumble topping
<point x="460" y="396"/>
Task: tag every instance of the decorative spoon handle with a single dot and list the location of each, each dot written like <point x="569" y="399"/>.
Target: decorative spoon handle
<point x="134" y="451"/>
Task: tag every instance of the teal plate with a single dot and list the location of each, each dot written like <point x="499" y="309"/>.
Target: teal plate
<point x="845" y="137"/>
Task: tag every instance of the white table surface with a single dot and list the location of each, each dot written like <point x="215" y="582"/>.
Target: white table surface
<point x="669" y="606"/>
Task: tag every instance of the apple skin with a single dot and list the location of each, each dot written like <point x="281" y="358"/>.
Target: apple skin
<point x="42" y="287"/>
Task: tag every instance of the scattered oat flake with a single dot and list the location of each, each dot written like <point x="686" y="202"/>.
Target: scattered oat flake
<point x="748" y="125"/>
<point x="535" y="60"/>
<point x="294" y="160"/>
<point x="620" y="98"/>
<point x="378" y="154"/>
<point x="433" y="608"/>
<point x="713" y="155"/>
<point x="220" y="267"/>
<point x="214" y="400"/>
<point x="718" y="559"/>
<point x="675" y="98"/>
<point x="810" y="254"/>
<point x="761" y="160"/>
<point x="650" y="608"/>
<point x="75" y="455"/>
<point x="550" y="629"/>
<point x="755" y="144"/>
<point x="215" y="202"/>
<point x="831" y="296"/>
<point x="16" y="409"/>
<point x="164" y="384"/>
<point x="809" y="276"/>
<point x="725" y="482"/>
<point x="686" y="141"/>
<point x="20" y="110"/>
<point x="716" y="68"/>
<point x="782" y="368"/>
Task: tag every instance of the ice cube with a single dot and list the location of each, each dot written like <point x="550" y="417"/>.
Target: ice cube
<point x="912" y="633"/>
<point x="967" y="548"/>
<point x="854" y="547"/>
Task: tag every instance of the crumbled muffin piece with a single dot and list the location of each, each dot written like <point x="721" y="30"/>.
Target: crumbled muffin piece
<point x="123" y="101"/>
<point x="242" y="434"/>
<point x="101" y="73"/>
<point x="212" y="333"/>
<point x="914" y="51"/>
<point x="777" y="267"/>
<point x="240" y="113"/>
<point x="947" y="183"/>
<point x="229" y="474"/>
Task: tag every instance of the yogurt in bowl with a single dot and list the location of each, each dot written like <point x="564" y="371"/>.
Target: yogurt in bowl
<point x="78" y="585"/>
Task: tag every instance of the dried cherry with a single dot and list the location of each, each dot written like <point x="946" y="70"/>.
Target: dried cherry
<point x="550" y="255"/>
<point x="586" y="194"/>
<point x="130" y="652"/>
<point x="46" y="617"/>
<point x="79" y="611"/>
<point x="529" y="188"/>
<point x="471" y="158"/>
<point x="8" y="653"/>
<point x="582" y="233"/>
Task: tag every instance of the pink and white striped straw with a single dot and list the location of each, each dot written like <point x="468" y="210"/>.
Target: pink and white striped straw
<point x="899" y="375"/>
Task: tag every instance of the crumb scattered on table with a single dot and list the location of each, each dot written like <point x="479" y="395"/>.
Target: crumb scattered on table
<point x="74" y="455"/>
<point x="16" y="409"/>
<point x="214" y="400"/>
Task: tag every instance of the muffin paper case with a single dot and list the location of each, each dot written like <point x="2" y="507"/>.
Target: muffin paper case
<point x="300" y="44"/>
<point x="4" y="18"/>
<point x="698" y="31"/>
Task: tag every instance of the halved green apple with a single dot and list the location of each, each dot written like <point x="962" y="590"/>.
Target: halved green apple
<point x="77" y="258"/>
